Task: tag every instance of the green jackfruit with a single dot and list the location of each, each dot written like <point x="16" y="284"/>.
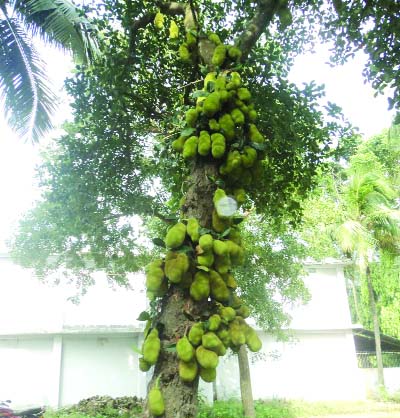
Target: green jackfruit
<point x="229" y="280"/>
<point x="252" y="115"/>
<point x="159" y="21"/>
<point x="178" y="144"/>
<point x="244" y="94"/>
<point x="191" y="39"/>
<point x="238" y="116"/>
<point x="236" y="301"/>
<point x="218" y="289"/>
<point x="220" y="83"/>
<point x="217" y="145"/>
<point x="238" y="258"/>
<point x="208" y="375"/>
<point x="184" y="349"/>
<point x="237" y="333"/>
<point x="154" y="276"/>
<point x="220" y="247"/>
<point x="206" y="358"/>
<point x="255" y="135"/>
<point x="196" y="333"/>
<point x="224" y="95"/>
<point x="188" y="370"/>
<point x="227" y="313"/>
<point x="176" y="265"/>
<point x="209" y="81"/>
<point x="206" y="259"/>
<point x="219" y="224"/>
<point x="193" y="228"/>
<point x="233" y="248"/>
<point x="200" y="288"/>
<point x="249" y="157"/>
<point x="253" y="340"/>
<point x="243" y="311"/>
<point x="223" y="335"/>
<point x="212" y="104"/>
<point x="214" y="321"/>
<point x="213" y="124"/>
<point x="233" y="161"/>
<point x="222" y="264"/>
<point x="234" y="53"/>
<point x="218" y="195"/>
<point x="151" y="347"/>
<point x="211" y="341"/>
<point x="191" y="117"/>
<point x="156" y="402"/>
<point x="206" y="242"/>
<point x="214" y="38"/>
<point x="190" y="147"/>
<point x="227" y="126"/>
<point x="173" y="30"/>
<point x="204" y="146"/>
<point x="184" y="53"/>
<point x="240" y="196"/>
<point x="143" y="365"/>
<point x="175" y="236"/>
<point x="235" y="81"/>
<point x="219" y="55"/>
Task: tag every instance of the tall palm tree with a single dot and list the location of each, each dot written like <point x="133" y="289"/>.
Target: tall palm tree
<point x="371" y="227"/>
<point x="24" y="87"/>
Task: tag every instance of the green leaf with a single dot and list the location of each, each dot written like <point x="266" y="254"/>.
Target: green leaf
<point x="204" y="231"/>
<point x="143" y="316"/>
<point x="200" y="93"/>
<point x="259" y="146"/>
<point x="159" y="242"/>
<point x="188" y="131"/>
<point x="185" y="249"/>
<point x="204" y="268"/>
<point x="171" y="348"/>
<point x="225" y="233"/>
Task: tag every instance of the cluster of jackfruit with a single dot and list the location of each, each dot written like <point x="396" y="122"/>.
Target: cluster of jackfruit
<point x="224" y="121"/>
<point x="206" y="275"/>
<point x="199" y="351"/>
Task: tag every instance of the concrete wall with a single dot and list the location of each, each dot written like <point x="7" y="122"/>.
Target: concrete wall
<point x="391" y="377"/>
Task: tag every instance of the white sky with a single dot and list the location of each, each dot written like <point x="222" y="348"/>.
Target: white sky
<point x="344" y="86"/>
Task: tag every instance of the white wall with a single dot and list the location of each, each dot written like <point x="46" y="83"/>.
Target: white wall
<point x="75" y="360"/>
<point x="391" y="377"/>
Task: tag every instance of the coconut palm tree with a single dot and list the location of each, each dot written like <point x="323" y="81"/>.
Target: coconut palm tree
<point x="24" y="87"/>
<point x="371" y="227"/>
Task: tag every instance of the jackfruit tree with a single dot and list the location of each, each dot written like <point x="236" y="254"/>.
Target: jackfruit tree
<point x="187" y="115"/>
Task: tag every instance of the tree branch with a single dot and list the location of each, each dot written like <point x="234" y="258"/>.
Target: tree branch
<point x="169" y="8"/>
<point x="264" y="14"/>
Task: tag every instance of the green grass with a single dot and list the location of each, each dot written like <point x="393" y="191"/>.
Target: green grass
<point x="264" y="409"/>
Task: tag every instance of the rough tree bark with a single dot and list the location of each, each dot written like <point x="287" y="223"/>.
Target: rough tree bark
<point x="178" y="311"/>
<point x="245" y="383"/>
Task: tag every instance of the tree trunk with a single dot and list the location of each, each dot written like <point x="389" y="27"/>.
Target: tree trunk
<point x="377" y="335"/>
<point x="178" y="311"/>
<point x="245" y="383"/>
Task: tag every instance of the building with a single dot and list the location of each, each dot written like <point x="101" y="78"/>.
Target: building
<point x="55" y="353"/>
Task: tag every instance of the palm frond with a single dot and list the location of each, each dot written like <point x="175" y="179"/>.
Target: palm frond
<point x="61" y="23"/>
<point x="24" y="87"/>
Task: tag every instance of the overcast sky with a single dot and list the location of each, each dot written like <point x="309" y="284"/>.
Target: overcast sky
<point x="344" y="86"/>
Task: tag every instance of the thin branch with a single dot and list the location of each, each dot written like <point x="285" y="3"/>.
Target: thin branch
<point x="264" y="14"/>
